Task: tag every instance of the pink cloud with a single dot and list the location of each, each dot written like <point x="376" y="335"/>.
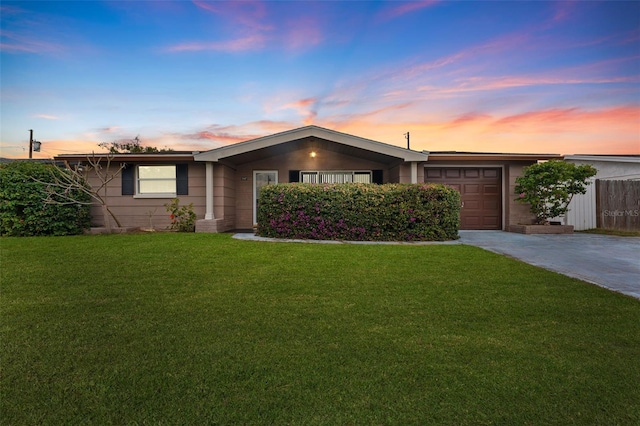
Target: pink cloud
<point x="404" y="8"/>
<point x="252" y="42"/>
<point x="303" y="32"/>
<point x="250" y="14"/>
<point x="47" y="116"/>
<point x="567" y="120"/>
<point x="18" y="43"/>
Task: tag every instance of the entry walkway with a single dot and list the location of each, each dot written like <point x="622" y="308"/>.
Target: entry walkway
<point x="608" y="261"/>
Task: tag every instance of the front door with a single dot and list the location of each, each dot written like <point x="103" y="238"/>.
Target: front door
<point x="260" y="179"/>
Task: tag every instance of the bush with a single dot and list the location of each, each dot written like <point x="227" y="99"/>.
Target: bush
<point x="549" y="187"/>
<point x="183" y="218"/>
<point x="23" y="210"/>
<point x="359" y="212"/>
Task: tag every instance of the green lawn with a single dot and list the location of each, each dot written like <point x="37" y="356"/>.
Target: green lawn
<point x="200" y="328"/>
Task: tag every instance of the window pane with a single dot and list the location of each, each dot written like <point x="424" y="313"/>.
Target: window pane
<point x="157" y="172"/>
<point x="362" y="177"/>
<point x="162" y="186"/>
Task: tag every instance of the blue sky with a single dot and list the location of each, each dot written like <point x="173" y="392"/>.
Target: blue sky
<point x="504" y="76"/>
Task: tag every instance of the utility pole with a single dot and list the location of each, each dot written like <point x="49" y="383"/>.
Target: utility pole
<point x="406" y="135"/>
<point x="33" y="145"/>
<point x="30" y="143"/>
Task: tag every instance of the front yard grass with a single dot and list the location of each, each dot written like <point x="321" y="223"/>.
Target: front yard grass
<point x="203" y="329"/>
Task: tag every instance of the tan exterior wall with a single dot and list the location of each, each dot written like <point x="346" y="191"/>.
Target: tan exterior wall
<point x="144" y="212"/>
<point x="224" y="200"/>
<point x="518" y="213"/>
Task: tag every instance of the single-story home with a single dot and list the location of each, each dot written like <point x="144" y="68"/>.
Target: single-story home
<point x="583" y="212"/>
<point x="223" y="184"/>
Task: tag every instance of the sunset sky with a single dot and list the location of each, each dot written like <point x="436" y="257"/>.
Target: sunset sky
<point x="502" y="76"/>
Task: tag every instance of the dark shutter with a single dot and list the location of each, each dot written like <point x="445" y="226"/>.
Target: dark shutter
<point x="182" y="179"/>
<point x="294" y="176"/>
<point x="376" y="177"/>
<point x="128" y="179"/>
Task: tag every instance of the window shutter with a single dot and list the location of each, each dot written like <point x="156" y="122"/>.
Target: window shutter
<point x="376" y="177"/>
<point x="294" y="176"/>
<point x="128" y="179"/>
<point x="182" y="179"/>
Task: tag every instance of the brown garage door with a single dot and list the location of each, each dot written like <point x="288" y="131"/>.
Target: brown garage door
<point x="480" y="190"/>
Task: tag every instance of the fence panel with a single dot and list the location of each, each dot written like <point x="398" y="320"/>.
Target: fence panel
<point x="618" y="204"/>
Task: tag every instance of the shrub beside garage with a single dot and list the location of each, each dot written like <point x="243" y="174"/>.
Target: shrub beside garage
<point x="23" y="210"/>
<point x="359" y="212"/>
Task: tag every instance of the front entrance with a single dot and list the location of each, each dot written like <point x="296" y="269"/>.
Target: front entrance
<point x="480" y="191"/>
<point x="260" y="179"/>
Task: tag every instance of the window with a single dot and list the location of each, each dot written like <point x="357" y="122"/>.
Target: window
<point x="336" y="177"/>
<point x="156" y="180"/>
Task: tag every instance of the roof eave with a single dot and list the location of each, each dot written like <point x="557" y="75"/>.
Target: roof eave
<point x="310" y="131"/>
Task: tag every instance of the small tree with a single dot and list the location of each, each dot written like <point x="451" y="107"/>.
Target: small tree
<point x="63" y="189"/>
<point x="549" y="187"/>
<point x="133" y="146"/>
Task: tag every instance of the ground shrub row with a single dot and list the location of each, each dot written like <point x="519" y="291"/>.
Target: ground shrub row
<point x="23" y="210"/>
<point x="359" y="212"/>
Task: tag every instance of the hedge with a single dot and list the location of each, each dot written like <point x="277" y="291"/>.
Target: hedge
<point x="23" y="211"/>
<point x="359" y="212"/>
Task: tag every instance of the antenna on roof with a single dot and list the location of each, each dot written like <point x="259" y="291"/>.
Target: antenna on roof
<point x="406" y="135"/>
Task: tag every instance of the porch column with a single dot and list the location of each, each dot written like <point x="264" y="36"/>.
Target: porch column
<point x="208" y="215"/>
<point x="414" y="172"/>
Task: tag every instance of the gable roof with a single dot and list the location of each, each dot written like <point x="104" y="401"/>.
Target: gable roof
<point x="306" y="132"/>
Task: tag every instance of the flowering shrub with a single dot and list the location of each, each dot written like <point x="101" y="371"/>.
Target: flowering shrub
<point x="549" y="187"/>
<point x="359" y="212"/>
<point x="183" y="218"/>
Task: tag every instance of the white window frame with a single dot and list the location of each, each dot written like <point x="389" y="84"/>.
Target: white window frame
<point x="329" y="176"/>
<point x="139" y="194"/>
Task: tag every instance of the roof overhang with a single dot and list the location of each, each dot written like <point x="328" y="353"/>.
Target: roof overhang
<point x="265" y="142"/>
<point x="605" y="158"/>
<point x="490" y="156"/>
<point x="151" y="157"/>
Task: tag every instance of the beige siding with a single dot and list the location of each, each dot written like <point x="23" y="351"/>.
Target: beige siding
<point x="143" y="212"/>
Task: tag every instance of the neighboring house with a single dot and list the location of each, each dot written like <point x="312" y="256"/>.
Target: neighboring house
<point x="582" y="209"/>
<point x="223" y="183"/>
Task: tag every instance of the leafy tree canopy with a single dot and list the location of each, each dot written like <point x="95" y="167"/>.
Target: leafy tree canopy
<point x="549" y="187"/>
<point x="132" y="146"/>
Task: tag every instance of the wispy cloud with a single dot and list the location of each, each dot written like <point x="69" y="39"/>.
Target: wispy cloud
<point x="251" y="27"/>
<point x="252" y="42"/>
<point x="13" y="42"/>
<point x="216" y="135"/>
<point x="47" y="116"/>
<point x="249" y="14"/>
<point x="302" y="33"/>
<point x="402" y="8"/>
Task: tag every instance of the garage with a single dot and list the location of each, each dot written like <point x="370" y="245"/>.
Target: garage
<point x="481" y="193"/>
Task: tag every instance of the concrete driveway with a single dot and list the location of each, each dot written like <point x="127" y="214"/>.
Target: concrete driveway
<point x="610" y="262"/>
